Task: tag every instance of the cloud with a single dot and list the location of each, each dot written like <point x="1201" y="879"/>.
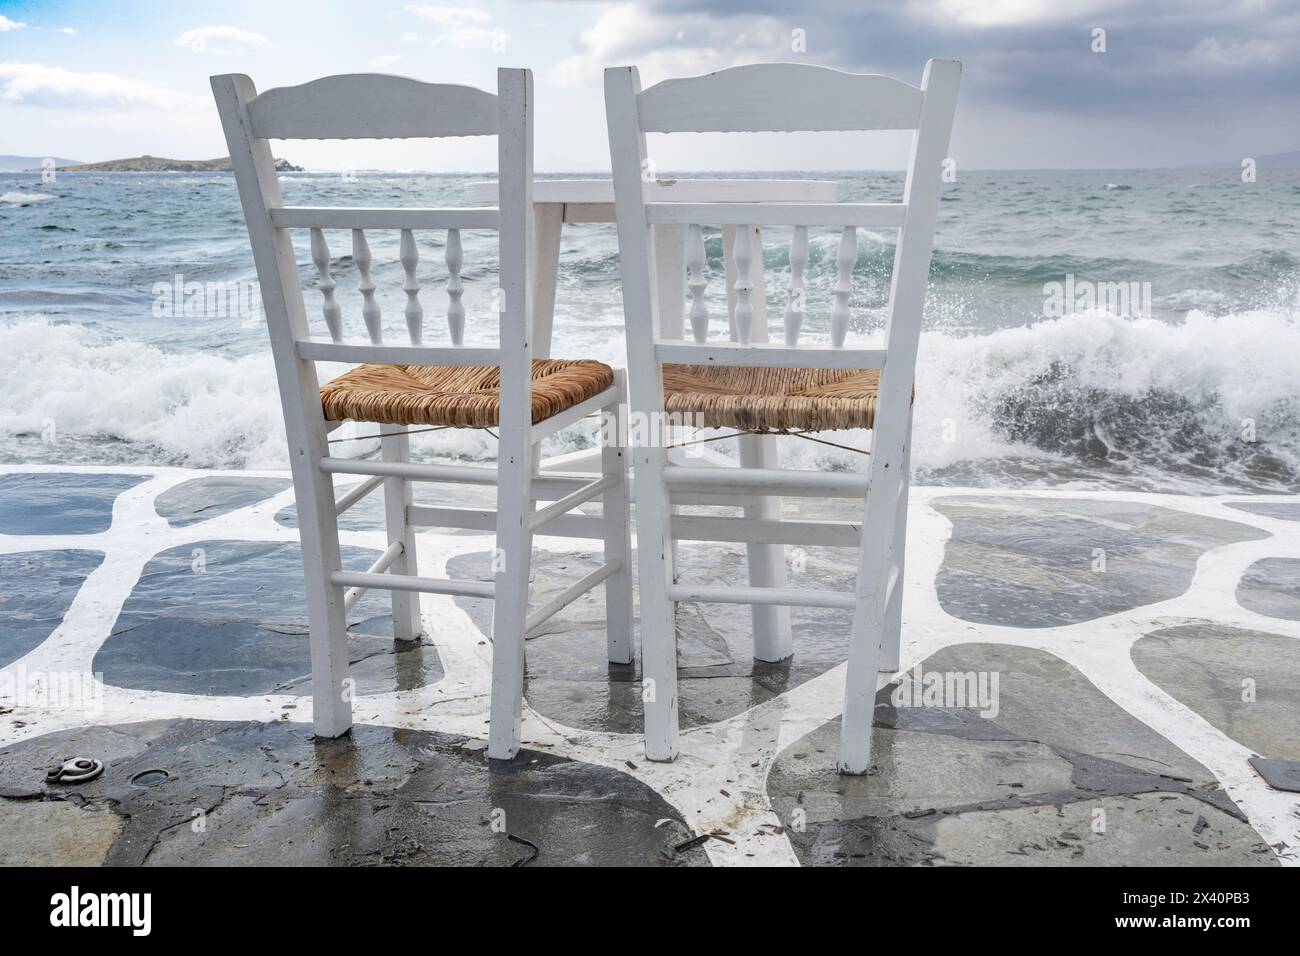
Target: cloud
<point x="220" y="40"/>
<point x="1009" y="13"/>
<point x="463" y="27"/>
<point x="6" y="24"/>
<point x="665" y="41"/>
<point x="36" y="84"/>
<point x="1162" y="57"/>
<point x="477" y="38"/>
<point x="68" y="30"/>
<point x="1179" y="80"/>
<point x="448" y="16"/>
<point x="1239" y="54"/>
<point x="385" y="60"/>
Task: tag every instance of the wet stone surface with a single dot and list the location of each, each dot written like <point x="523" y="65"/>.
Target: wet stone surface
<point x="1036" y="562"/>
<point x="253" y="793"/>
<point x="202" y="498"/>
<point x="1272" y="587"/>
<point x="569" y="677"/>
<point x="1285" y="510"/>
<point x="56" y="833"/>
<point x="1245" y="683"/>
<point x="230" y="618"/>
<point x="29" y="614"/>
<point x="1278" y="774"/>
<point x="59" y="503"/>
<point x="1029" y="785"/>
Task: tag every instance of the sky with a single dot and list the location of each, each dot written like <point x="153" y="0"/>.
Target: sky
<point x="1066" y="84"/>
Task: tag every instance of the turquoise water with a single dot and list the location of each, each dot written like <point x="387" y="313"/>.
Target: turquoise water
<point x="1199" y="393"/>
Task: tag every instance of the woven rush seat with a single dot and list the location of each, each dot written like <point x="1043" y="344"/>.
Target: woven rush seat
<point x="773" y="399"/>
<point x="463" y="396"/>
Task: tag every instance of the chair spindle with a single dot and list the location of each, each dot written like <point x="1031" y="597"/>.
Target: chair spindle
<point x="333" y="312"/>
<point x="845" y="261"/>
<point x="696" y="282"/>
<point x="794" y="310"/>
<point x="455" y="288"/>
<point x="369" y="306"/>
<point x="410" y="258"/>
<point x="743" y="256"/>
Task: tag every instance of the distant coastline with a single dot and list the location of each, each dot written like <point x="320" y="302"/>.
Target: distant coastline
<point x="147" y="164"/>
<point x="159" y="164"/>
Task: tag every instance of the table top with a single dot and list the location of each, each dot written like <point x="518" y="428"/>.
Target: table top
<point x="601" y="191"/>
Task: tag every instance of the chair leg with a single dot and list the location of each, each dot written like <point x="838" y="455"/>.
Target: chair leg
<point x="658" y="628"/>
<point x="512" y="561"/>
<point x="892" y="633"/>
<point x="331" y="687"/>
<point x="396" y="446"/>
<point x="618" y="545"/>
<point x="869" y="616"/>
<point x="891" y="645"/>
<point x="772" y="637"/>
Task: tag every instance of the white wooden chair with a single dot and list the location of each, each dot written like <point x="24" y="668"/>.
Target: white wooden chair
<point x="417" y="384"/>
<point x="763" y="388"/>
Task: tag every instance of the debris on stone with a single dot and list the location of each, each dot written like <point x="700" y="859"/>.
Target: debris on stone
<point x="1278" y="774"/>
<point x="75" y="770"/>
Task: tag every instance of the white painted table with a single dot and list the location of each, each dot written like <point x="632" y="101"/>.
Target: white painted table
<point x="557" y="201"/>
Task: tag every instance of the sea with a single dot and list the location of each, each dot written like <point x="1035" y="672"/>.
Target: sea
<point x="1091" y="329"/>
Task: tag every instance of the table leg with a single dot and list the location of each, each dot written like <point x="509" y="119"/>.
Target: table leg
<point x="670" y="263"/>
<point x="547" y="220"/>
<point x="548" y="217"/>
<point x="670" y="278"/>
<point x="773" y="640"/>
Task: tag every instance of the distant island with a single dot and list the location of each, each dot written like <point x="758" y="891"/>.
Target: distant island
<point x="1289" y="160"/>
<point x="158" y="164"/>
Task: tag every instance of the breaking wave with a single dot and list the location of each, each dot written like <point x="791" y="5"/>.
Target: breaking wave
<point x="1212" y="402"/>
<point x="144" y="405"/>
<point x="23" y="199"/>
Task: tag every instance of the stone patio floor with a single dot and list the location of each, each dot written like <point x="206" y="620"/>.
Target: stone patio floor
<point x="1085" y="677"/>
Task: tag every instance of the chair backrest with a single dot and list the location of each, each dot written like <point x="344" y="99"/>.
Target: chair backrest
<point x="374" y="106"/>
<point x="779" y="97"/>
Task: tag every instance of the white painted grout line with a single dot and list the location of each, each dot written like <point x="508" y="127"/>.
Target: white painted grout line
<point x="720" y="780"/>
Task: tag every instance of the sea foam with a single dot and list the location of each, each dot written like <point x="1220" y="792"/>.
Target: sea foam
<point x="22" y="199"/>
<point x="1214" y="397"/>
